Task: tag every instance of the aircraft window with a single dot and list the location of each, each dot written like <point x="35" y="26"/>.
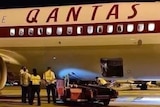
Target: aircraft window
<point x="90" y="29"/>
<point x="109" y="28"/>
<point x="12" y="32"/>
<point x="40" y="31"/>
<point x="119" y="28"/>
<point x="21" y="31"/>
<point x="130" y="28"/>
<point x="79" y="30"/>
<point x="49" y="31"/>
<point x="151" y="27"/>
<point x="100" y="29"/>
<point x="59" y="31"/>
<point x="30" y="31"/>
<point x="140" y="27"/>
<point x="69" y="30"/>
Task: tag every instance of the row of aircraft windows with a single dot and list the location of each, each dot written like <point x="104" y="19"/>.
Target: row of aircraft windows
<point x="90" y="29"/>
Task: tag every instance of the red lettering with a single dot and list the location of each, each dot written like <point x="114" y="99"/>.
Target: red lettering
<point x="32" y="16"/>
<point x="94" y="11"/>
<point x="74" y="14"/>
<point x="53" y="15"/>
<point x="113" y="11"/>
<point x="134" y="11"/>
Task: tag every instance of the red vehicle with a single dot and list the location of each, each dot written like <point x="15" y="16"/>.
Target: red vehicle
<point x="86" y="93"/>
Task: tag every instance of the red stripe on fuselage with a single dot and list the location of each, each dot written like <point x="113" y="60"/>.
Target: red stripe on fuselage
<point x="5" y="31"/>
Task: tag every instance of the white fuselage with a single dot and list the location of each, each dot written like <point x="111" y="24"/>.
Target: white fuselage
<point x="77" y="37"/>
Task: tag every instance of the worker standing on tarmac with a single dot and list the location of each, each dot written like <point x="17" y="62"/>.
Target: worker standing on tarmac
<point x="35" y="87"/>
<point x="24" y="82"/>
<point x="50" y="80"/>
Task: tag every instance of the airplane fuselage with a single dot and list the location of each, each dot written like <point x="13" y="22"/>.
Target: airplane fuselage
<point x="77" y="37"/>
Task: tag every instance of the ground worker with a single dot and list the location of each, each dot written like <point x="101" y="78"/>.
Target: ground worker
<point x="24" y="82"/>
<point x="50" y="81"/>
<point x="35" y="87"/>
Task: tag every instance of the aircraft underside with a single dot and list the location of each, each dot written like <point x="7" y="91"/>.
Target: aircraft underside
<point x="135" y="57"/>
<point x="141" y="62"/>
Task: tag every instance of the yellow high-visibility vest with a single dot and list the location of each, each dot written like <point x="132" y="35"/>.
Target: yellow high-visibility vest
<point x="24" y="78"/>
<point x="102" y="81"/>
<point x="36" y="80"/>
<point x="49" y="77"/>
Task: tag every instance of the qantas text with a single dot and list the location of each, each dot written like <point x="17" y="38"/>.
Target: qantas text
<point x="74" y="13"/>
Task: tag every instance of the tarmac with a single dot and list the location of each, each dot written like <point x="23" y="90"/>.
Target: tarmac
<point x="15" y="92"/>
<point x="10" y="96"/>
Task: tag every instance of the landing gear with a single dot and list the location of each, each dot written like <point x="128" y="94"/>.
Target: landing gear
<point x="143" y="86"/>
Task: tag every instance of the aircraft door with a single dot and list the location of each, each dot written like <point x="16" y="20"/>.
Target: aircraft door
<point x="111" y="67"/>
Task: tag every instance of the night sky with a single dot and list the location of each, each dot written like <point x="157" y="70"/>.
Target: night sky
<point x="32" y="3"/>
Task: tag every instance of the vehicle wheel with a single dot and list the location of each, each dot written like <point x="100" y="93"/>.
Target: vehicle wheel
<point x="91" y="101"/>
<point x="64" y="99"/>
<point x="106" y="102"/>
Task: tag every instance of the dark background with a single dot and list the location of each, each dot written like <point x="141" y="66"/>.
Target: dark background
<point x="33" y="3"/>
